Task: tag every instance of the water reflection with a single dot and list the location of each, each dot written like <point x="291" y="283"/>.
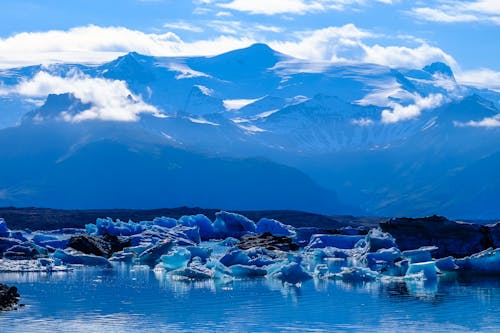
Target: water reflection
<point x="142" y="300"/>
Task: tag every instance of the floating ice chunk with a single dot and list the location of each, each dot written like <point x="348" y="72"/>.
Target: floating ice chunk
<point x="151" y="255"/>
<point x="205" y="226"/>
<point x="78" y="258"/>
<point x="230" y="242"/>
<point x="290" y="272"/>
<point x="18" y="235"/>
<point x="118" y="228"/>
<point x="235" y="257"/>
<point x="487" y="261"/>
<point x="24" y="251"/>
<point x="382" y="258"/>
<point x="427" y="269"/>
<point x="321" y="270"/>
<point x="274" y="227"/>
<point x="45" y="240"/>
<point x="337" y="241"/>
<point x="233" y="225"/>
<point x="422" y="254"/>
<point x="376" y="240"/>
<point x="350" y="231"/>
<point x="195" y="271"/>
<point x="137" y="250"/>
<point x="166" y="222"/>
<point x="4" y="231"/>
<point x="244" y="271"/>
<point x="335" y="264"/>
<point x="446" y="264"/>
<point x="219" y="271"/>
<point x="303" y="235"/>
<point x="185" y="235"/>
<point x="177" y="258"/>
<point x="201" y="252"/>
<point x="357" y="274"/>
<point x="261" y="261"/>
<point x="121" y="256"/>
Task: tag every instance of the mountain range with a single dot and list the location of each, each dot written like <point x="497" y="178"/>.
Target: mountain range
<point x="249" y="129"/>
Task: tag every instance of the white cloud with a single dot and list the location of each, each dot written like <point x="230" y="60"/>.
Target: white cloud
<point x="449" y="11"/>
<point x="490" y="122"/>
<point x="272" y="7"/>
<point x="181" y="25"/>
<point x="332" y="43"/>
<point x="111" y="99"/>
<point x="296" y="7"/>
<point x="405" y="112"/>
<point x="481" y="78"/>
<point x="94" y="44"/>
<point x="403" y="56"/>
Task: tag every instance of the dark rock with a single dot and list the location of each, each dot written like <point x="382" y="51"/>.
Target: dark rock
<point x="267" y="241"/>
<point x="8" y="297"/>
<point x="457" y="239"/>
<point x="6" y="243"/>
<point x="103" y="246"/>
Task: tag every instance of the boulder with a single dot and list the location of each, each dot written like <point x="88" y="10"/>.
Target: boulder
<point x="8" y="297"/>
<point x="267" y="241"/>
<point x="103" y="246"/>
<point x="456" y="239"/>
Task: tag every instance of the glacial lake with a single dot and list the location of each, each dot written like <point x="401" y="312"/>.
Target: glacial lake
<point x="141" y="300"/>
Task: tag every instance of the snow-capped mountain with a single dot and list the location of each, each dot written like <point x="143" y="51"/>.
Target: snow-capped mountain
<point x="386" y="140"/>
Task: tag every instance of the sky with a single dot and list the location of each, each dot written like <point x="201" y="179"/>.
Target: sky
<point x="396" y="33"/>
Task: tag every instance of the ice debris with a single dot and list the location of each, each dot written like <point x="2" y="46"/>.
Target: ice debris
<point x="232" y="247"/>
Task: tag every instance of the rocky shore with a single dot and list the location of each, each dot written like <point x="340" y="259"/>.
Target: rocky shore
<point x="9" y="297"/>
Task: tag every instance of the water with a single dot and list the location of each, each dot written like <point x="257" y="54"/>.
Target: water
<point x="119" y="300"/>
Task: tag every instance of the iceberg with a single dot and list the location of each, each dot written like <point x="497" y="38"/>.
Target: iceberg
<point x="290" y="272"/>
<point x="78" y="258"/>
<point x="246" y="271"/>
<point x="177" y="258"/>
<point x="422" y="254"/>
<point x="426" y="269"/>
<point x="205" y="226"/>
<point x="274" y="227"/>
<point x="487" y="261"/>
<point x="4" y="231"/>
<point x="233" y="225"/>
<point x="337" y="241"/>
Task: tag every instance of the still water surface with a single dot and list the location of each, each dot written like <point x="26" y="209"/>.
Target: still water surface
<point x="140" y="300"/>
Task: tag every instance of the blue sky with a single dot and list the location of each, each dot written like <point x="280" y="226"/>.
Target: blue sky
<point x="397" y="33"/>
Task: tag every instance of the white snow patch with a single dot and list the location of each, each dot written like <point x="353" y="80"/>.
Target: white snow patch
<point x="431" y="123"/>
<point x="205" y="90"/>
<point x="252" y="128"/>
<point x="362" y="122"/>
<point x="383" y="93"/>
<point x="202" y="121"/>
<point x="185" y="71"/>
<point x="266" y="114"/>
<point x="236" y="104"/>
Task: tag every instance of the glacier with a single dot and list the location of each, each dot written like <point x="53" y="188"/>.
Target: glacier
<point x="233" y="247"/>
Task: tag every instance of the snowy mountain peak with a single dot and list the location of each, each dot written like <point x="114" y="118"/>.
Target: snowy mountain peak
<point x="439" y="68"/>
<point x="56" y="107"/>
<point x="239" y="64"/>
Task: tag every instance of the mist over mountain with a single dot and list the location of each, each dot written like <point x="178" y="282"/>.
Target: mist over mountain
<point x="249" y="129"/>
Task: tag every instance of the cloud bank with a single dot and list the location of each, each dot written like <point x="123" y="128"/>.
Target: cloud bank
<point x="94" y="44"/>
<point x="453" y="11"/>
<point x="111" y="99"/>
